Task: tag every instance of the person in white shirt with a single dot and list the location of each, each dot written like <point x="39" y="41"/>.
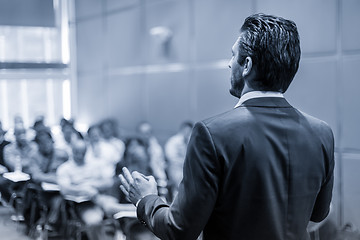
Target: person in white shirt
<point x="175" y="151"/>
<point x="101" y="151"/>
<point x="64" y="134"/>
<point x="156" y="154"/>
<point x="83" y="182"/>
<point x="109" y="134"/>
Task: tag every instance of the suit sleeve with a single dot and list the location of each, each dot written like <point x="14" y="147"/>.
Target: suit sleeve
<point x="322" y="204"/>
<point x="186" y="217"/>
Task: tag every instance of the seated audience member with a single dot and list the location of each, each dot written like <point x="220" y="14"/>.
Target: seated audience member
<point x="110" y="135"/>
<point x="43" y="165"/>
<point x="3" y="143"/>
<point x="136" y="158"/>
<point x="17" y="159"/>
<point x="17" y="154"/>
<point x="4" y="193"/>
<point x="39" y="125"/>
<point x="156" y="154"/>
<point x="175" y="151"/>
<point x="18" y="124"/>
<point x="47" y="158"/>
<point x="87" y="180"/>
<point x="67" y="134"/>
<point x="101" y="151"/>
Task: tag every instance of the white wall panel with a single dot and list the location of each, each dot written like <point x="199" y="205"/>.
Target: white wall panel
<point x="88" y="8"/>
<point x="125" y="100"/>
<point x="349" y="94"/>
<point x="168" y="99"/>
<point x="124" y="39"/>
<point x="212" y="92"/>
<point x="173" y="16"/>
<point x="91" y="99"/>
<point x="351" y="190"/>
<point x="217" y="24"/>
<point x="316" y="21"/>
<point x="350" y="24"/>
<point x="90" y="46"/>
<point x="314" y="90"/>
<point x="113" y="5"/>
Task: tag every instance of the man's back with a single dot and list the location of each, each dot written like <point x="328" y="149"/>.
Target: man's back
<point x="274" y="162"/>
<point x="260" y="171"/>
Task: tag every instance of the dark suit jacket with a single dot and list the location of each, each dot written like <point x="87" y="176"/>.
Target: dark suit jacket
<point x="260" y="171"/>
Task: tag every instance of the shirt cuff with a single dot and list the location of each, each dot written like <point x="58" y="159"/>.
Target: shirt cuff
<point x="137" y="203"/>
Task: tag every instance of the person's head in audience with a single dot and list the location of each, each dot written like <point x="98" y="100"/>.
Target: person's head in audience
<point x="94" y="134"/>
<point x="185" y="129"/>
<point x="39" y="124"/>
<point x="79" y="151"/>
<point x="20" y="136"/>
<point x="45" y="142"/>
<point x="68" y="130"/>
<point x="108" y="128"/>
<point x="136" y="157"/>
<point x="145" y="130"/>
<point x="18" y="122"/>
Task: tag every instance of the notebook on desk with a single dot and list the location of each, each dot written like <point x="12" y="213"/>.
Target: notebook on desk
<point x="50" y="187"/>
<point x="16" y="176"/>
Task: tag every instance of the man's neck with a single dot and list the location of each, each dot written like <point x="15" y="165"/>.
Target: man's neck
<point x="247" y="89"/>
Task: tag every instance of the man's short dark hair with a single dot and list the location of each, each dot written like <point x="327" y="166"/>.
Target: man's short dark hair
<point x="274" y="47"/>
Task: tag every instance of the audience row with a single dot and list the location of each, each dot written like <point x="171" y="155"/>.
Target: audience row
<point x="52" y="168"/>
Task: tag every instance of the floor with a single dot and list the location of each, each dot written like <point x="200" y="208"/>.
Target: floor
<point x="10" y="230"/>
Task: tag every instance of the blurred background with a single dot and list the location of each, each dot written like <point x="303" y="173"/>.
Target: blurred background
<point x="165" y="61"/>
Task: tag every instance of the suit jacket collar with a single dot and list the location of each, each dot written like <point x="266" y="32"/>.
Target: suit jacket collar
<point x="257" y="94"/>
<point x="266" y="102"/>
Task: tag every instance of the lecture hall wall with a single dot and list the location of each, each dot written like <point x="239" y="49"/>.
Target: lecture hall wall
<point x="128" y="71"/>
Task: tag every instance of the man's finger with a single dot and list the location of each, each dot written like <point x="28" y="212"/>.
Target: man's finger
<point x="151" y="178"/>
<point x="124" y="182"/>
<point x="135" y="174"/>
<point x="124" y="190"/>
<point x="139" y="176"/>
<point x="127" y="175"/>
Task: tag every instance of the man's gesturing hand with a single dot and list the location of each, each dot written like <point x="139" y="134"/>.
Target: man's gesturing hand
<point x="136" y="185"/>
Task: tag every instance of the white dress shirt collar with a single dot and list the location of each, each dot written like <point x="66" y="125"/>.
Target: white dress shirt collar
<point x="257" y="94"/>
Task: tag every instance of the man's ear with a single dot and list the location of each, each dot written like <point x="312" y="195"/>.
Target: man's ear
<point x="247" y="66"/>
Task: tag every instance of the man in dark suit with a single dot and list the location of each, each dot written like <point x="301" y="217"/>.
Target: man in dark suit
<point x="262" y="170"/>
